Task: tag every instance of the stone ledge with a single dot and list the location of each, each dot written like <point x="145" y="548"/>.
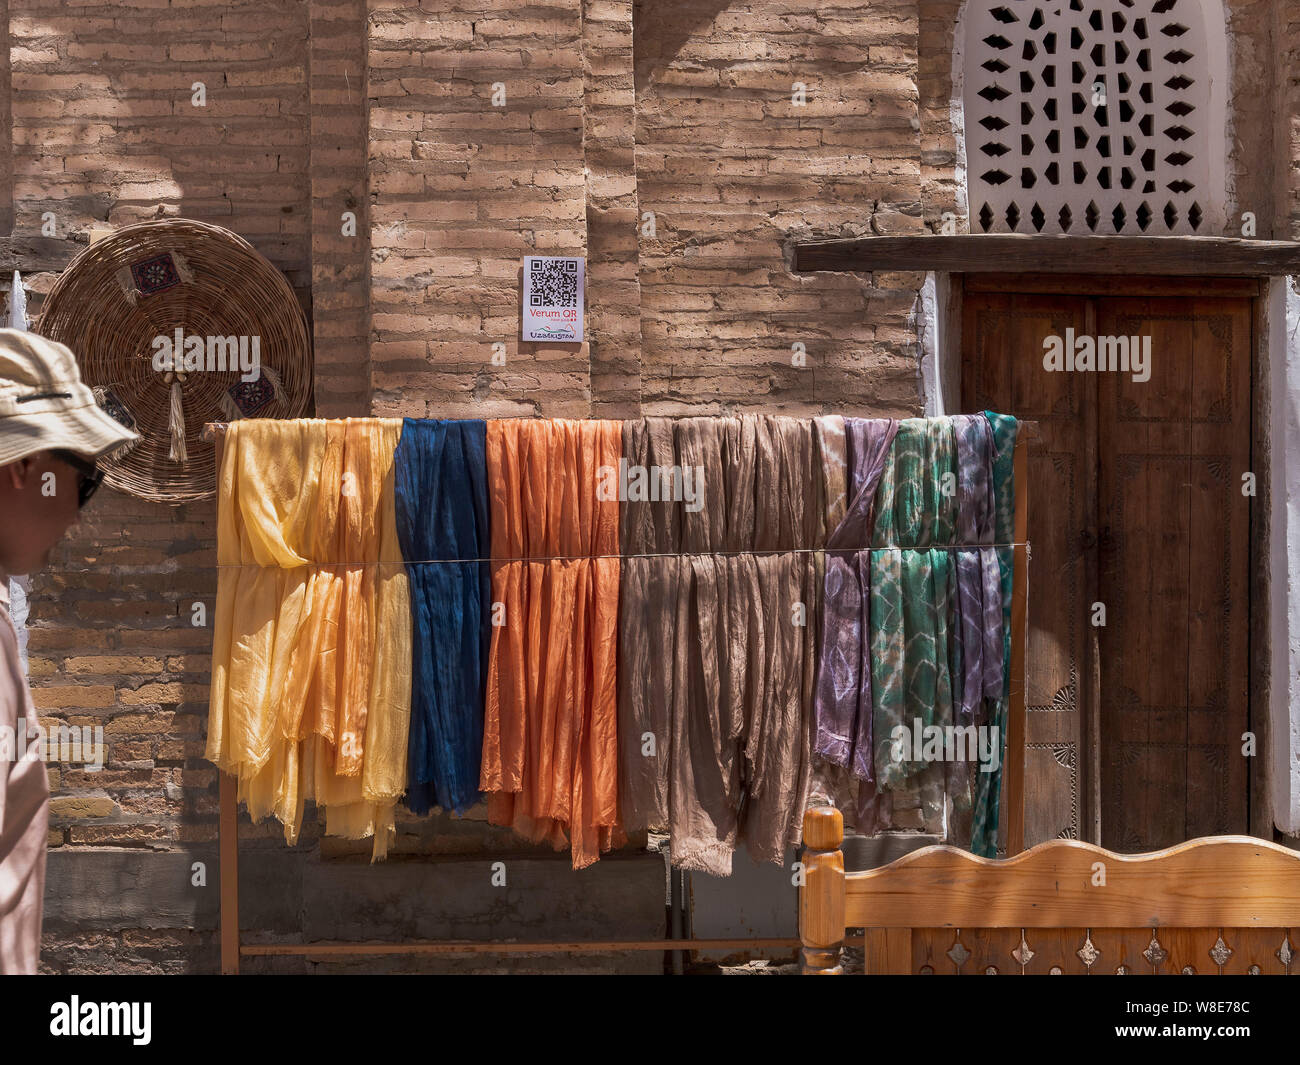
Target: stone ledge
<point x="289" y="895"/>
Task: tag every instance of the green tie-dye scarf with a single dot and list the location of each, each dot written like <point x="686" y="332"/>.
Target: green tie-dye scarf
<point x="984" y="831"/>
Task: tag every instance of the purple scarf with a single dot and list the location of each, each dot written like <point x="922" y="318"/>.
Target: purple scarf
<point x="843" y="699"/>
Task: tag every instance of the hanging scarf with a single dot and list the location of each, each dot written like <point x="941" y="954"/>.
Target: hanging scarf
<point x="550" y="755"/>
<point x="979" y="587"/>
<point x="832" y="745"/>
<point x="984" y="838"/>
<point x="718" y="641"/>
<point x="648" y="608"/>
<point x="781" y="725"/>
<point x="442" y="515"/>
<point x="909" y="595"/>
<point x="844" y="699"/>
<point x="832" y="463"/>
<point x="916" y="665"/>
<point x="310" y="695"/>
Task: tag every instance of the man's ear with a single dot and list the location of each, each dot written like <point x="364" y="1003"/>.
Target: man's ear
<point x="19" y="472"/>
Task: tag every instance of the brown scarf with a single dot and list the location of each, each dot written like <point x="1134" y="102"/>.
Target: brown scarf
<point x="718" y="643"/>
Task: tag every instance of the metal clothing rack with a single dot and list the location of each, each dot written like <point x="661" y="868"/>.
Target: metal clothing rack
<point x="232" y="949"/>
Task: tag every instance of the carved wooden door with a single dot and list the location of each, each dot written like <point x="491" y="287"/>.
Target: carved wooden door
<point x="1134" y="727"/>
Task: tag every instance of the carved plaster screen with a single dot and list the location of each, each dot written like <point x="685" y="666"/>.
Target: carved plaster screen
<point x="1095" y="117"/>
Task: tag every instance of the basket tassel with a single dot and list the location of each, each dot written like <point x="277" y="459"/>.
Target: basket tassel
<point x="276" y="386"/>
<point x="229" y="407"/>
<point x="176" y="423"/>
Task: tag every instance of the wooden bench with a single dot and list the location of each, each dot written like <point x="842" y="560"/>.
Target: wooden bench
<point x="1218" y="905"/>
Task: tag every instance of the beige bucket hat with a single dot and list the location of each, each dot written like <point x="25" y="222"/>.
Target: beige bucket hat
<point x="45" y="405"/>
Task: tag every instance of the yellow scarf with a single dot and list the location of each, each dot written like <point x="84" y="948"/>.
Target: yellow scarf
<point x="311" y="677"/>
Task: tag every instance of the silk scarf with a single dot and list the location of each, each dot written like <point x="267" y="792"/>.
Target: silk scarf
<point x="310" y="695"/>
<point x="550" y="744"/>
<point x="442" y="524"/>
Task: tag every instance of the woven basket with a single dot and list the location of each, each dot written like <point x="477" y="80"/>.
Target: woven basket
<point x="146" y="281"/>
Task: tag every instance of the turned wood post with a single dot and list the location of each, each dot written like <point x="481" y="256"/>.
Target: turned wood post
<point x="821" y="898"/>
<point x="228" y="806"/>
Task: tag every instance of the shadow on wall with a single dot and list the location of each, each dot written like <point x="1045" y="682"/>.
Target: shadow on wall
<point x="106" y="128"/>
<point x="674" y="24"/>
<point x="204" y="120"/>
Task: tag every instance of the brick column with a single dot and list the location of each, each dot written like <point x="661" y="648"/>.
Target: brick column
<point x="340" y="265"/>
<point x="613" y="322"/>
<point x="476" y="154"/>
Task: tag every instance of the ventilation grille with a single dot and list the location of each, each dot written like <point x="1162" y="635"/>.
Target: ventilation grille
<point x="1088" y="118"/>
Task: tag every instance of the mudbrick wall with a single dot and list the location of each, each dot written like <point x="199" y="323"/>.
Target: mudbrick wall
<point x="680" y="145"/>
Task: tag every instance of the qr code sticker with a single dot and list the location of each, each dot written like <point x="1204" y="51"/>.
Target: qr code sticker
<point x="554" y="283"/>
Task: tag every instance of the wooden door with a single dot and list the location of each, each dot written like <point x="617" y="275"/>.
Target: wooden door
<point x="1134" y="727"/>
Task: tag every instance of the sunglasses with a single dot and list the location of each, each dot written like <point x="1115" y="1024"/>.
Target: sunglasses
<point x="89" y="475"/>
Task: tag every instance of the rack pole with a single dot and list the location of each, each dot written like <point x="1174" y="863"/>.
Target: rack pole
<point x="228" y="811"/>
<point x="229" y="876"/>
<point x="229" y="804"/>
<point x="1016" y="725"/>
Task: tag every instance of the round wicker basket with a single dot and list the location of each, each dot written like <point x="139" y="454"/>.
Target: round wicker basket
<point x="180" y="279"/>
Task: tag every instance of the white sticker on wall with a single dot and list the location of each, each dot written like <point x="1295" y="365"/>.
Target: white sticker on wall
<point x="553" y="290"/>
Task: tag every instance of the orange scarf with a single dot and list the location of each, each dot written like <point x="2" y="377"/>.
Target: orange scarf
<point x="550" y="752"/>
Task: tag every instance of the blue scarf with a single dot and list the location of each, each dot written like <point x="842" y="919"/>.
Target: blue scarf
<point x="440" y="477"/>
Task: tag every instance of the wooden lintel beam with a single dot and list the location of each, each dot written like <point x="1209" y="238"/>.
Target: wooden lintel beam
<point x="987" y="253"/>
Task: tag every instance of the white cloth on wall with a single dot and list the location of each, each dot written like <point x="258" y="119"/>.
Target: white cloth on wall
<point x="19" y="586"/>
<point x="18" y="589"/>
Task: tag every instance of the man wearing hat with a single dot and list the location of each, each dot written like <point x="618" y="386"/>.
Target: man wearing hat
<point x="51" y="432"/>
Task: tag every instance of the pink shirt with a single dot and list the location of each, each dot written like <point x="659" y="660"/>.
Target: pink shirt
<point x="24" y="810"/>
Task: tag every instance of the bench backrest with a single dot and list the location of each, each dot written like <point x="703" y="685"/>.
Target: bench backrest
<point x="1222" y="904"/>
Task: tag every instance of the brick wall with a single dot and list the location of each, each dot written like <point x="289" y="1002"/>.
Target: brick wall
<point x="1288" y="117"/>
<point x="730" y="167"/>
<point x="462" y="189"/>
<point x="734" y="167"/>
<point x="340" y="254"/>
<point x="666" y="140"/>
<point x="1255" y="168"/>
<point x="104" y="128"/>
<point x="104" y="131"/>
